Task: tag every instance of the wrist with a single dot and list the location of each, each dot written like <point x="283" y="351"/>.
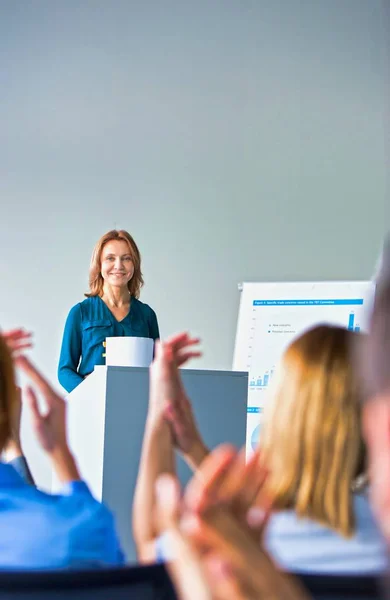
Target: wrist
<point x="64" y="464"/>
<point x="12" y="450"/>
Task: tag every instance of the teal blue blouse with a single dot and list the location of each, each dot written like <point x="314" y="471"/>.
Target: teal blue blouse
<point x="86" y="328"/>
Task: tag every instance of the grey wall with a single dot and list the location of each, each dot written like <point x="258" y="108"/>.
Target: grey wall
<point x="235" y="140"/>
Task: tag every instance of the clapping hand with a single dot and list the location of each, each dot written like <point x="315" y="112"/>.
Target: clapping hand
<point x="17" y="340"/>
<point x="197" y="574"/>
<point x="176" y="406"/>
<point x="214" y="540"/>
<point x="226" y="480"/>
<point x="166" y="387"/>
<point x="49" y="427"/>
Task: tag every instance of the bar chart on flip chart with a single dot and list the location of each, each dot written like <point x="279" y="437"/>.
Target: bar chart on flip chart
<point x="271" y="315"/>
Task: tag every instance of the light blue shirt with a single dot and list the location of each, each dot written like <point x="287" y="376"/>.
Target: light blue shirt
<point x="41" y="531"/>
<point x="304" y="546"/>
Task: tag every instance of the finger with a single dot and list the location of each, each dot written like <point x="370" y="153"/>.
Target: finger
<point x="15" y="333"/>
<point x="25" y="365"/>
<point x="175" y="341"/>
<point x="207" y="479"/>
<point x="181" y="341"/>
<point x="246" y="485"/>
<point x="229" y="485"/>
<point x="19" y="347"/>
<point x="184" y="357"/>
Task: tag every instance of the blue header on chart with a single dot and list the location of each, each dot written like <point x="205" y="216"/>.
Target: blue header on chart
<point x="311" y="302"/>
<point x="254" y="409"/>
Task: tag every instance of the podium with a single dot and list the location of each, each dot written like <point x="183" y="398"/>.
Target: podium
<point x="106" y="420"/>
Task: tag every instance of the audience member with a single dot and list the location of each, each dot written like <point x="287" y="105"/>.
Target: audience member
<point x="312" y="445"/>
<point x="230" y="563"/>
<point x="38" y="530"/>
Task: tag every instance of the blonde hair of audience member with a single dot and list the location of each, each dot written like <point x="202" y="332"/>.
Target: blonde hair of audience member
<point x="96" y="280"/>
<point x="8" y="393"/>
<point x="312" y="437"/>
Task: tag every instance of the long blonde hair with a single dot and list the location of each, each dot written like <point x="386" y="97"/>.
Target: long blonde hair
<point x="7" y="393"/>
<point x="312" y="436"/>
<point x="95" y="277"/>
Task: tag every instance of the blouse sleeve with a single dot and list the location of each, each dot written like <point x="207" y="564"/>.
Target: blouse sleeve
<point x="71" y="351"/>
<point x="153" y="326"/>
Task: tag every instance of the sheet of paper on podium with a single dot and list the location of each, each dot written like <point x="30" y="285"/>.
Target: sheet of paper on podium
<point x="129" y="351"/>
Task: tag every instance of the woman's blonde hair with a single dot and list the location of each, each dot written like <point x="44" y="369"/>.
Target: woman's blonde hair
<point x="95" y="276"/>
<point x="312" y="436"/>
<point x="7" y="393"/>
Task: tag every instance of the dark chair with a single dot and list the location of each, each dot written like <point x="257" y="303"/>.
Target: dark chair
<point x="130" y="583"/>
<point x="340" y="587"/>
<point x="153" y="583"/>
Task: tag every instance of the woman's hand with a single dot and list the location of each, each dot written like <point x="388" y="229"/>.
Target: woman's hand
<point x="177" y="406"/>
<point x="214" y="556"/>
<point x="226" y="480"/>
<point x="17" y="340"/>
<point x="165" y="382"/>
<point x="49" y="427"/>
<point x="196" y="574"/>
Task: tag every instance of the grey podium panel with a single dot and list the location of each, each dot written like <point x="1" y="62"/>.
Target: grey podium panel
<point x="219" y="400"/>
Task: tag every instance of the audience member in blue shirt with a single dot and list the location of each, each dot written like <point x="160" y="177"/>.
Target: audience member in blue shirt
<point x="112" y="309"/>
<point x="38" y="530"/>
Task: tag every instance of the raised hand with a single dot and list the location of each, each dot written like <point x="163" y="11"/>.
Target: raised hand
<point x="50" y="428"/>
<point x="17" y="340"/>
<point x="177" y="408"/>
<point x="214" y="557"/>
<point x="196" y="574"/>
<point x="219" y="533"/>
<point x="226" y="480"/>
<point x="166" y="387"/>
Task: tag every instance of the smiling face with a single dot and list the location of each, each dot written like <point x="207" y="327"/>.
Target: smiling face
<point x="117" y="267"/>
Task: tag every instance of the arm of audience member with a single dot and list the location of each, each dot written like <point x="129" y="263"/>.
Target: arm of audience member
<point x="179" y="413"/>
<point x="70" y="353"/>
<point x="156" y="458"/>
<point x="13" y="453"/>
<point x="157" y="455"/>
<point x="50" y="428"/>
